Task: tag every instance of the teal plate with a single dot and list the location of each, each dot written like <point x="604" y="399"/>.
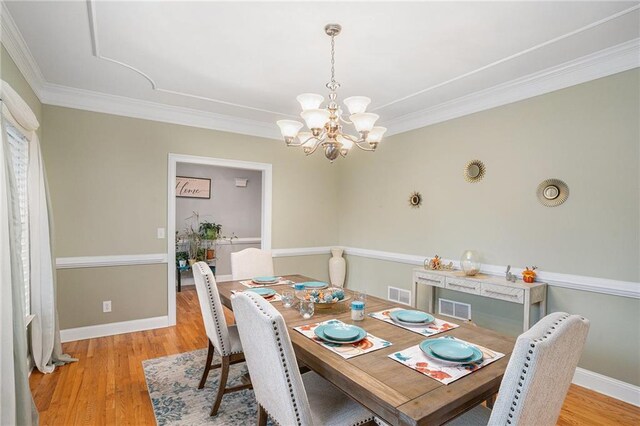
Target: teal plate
<point x="319" y="331"/>
<point x="425" y="346"/>
<point x="412" y="317"/>
<point x="451" y="349"/>
<point x="341" y="332"/>
<point x="264" y="292"/>
<point x="315" y="284"/>
<point x="265" y="279"/>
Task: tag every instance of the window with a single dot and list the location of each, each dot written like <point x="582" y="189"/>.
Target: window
<point x="19" y="149"/>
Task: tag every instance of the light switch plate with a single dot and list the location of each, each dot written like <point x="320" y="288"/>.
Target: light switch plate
<point x="160" y="233"/>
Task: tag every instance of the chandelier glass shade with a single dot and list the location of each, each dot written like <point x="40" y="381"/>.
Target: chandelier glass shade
<point x="325" y="123"/>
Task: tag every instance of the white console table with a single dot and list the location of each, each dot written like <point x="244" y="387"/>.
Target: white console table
<point x="483" y="286"/>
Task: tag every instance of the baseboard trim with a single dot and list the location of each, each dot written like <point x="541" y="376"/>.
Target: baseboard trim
<point x="606" y="385"/>
<point x="102" y="330"/>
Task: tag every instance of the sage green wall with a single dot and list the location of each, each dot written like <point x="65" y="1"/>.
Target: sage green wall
<point x="108" y="182"/>
<point x="10" y="73"/>
<point x="587" y="135"/>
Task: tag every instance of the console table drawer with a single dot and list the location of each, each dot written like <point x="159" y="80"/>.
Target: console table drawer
<point x="463" y="285"/>
<point x="429" y="279"/>
<point x="510" y="294"/>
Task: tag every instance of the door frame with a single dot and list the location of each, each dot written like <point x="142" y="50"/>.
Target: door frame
<point x="174" y="159"/>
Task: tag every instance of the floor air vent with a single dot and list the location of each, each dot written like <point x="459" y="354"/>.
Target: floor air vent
<point x="454" y="309"/>
<point x="399" y="295"/>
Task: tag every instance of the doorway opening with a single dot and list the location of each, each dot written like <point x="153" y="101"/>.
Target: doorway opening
<point x="215" y="207"/>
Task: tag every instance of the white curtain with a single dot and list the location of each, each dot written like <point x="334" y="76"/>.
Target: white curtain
<point x="16" y="403"/>
<point x="45" y="336"/>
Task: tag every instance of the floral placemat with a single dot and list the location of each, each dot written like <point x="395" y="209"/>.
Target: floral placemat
<point x="275" y="298"/>
<point x="349" y="350"/>
<point x="414" y="358"/>
<point x="251" y="284"/>
<point x="438" y="326"/>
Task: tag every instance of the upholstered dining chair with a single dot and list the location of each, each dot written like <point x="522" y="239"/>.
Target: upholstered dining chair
<point x="251" y="262"/>
<point x="222" y="338"/>
<point x="285" y="395"/>
<point x="538" y="375"/>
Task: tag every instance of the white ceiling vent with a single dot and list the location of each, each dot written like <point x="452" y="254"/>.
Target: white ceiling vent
<point x="454" y="309"/>
<point x="399" y="295"/>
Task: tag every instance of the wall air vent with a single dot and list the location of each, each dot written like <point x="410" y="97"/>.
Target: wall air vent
<point x="399" y="295"/>
<point x="454" y="309"/>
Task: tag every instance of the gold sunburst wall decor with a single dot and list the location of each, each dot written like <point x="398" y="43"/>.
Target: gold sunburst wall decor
<point x="474" y="171"/>
<point x="415" y="199"/>
<point x="552" y="192"/>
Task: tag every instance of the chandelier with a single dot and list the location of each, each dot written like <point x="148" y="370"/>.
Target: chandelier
<point x="325" y="123"/>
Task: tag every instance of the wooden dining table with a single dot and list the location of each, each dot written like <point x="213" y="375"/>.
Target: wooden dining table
<point x="394" y="392"/>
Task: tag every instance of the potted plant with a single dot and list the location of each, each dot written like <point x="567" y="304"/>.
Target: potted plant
<point x="209" y="230"/>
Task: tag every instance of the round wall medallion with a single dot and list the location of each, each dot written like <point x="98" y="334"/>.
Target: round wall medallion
<point x="552" y="192"/>
<point x="415" y="199"/>
<point x="474" y="171"/>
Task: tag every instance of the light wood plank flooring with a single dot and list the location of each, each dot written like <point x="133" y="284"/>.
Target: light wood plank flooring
<point x="107" y="385"/>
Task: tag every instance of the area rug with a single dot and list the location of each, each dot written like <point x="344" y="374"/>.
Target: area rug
<point x="173" y="380"/>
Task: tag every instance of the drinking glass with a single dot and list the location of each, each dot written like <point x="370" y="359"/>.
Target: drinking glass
<point x="361" y="296"/>
<point x="306" y="309"/>
<point x="287" y="298"/>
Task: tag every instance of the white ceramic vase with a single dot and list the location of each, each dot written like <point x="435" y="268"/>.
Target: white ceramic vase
<point x="337" y="268"/>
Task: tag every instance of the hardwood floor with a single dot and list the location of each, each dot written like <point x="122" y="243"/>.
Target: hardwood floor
<point x="107" y="385"/>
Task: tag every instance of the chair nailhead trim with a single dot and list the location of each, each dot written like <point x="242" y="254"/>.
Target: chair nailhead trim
<point x="526" y="364"/>
<point x="214" y="311"/>
<point x="274" y="325"/>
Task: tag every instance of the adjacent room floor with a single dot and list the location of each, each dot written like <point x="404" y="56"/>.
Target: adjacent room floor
<point x="107" y="385"/>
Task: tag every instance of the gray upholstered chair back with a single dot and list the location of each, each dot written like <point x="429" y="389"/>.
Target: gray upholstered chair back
<point x="212" y="313"/>
<point x="271" y="361"/>
<point x="250" y="263"/>
<point x="540" y="371"/>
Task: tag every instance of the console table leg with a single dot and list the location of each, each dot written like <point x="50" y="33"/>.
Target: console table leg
<point x="527" y="310"/>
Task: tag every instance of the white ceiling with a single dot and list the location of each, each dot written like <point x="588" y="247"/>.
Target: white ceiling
<point x="249" y="60"/>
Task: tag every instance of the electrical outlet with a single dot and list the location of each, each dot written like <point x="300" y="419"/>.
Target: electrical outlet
<point x="106" y="306"/>
<point x="160" y="233"/>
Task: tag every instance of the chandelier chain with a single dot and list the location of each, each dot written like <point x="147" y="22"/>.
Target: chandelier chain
<point x="333" y="60"/>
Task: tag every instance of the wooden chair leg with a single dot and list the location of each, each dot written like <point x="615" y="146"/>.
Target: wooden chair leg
<point x="262" y="416"/>
<point x="224" y="374"/>
<point x="207" y="367"/>
<point x="491" y="401"/>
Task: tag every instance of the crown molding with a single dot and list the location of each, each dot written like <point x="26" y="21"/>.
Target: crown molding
<point x="603" y="63"/>
<point x="17" y="48"/>
<point x="54" y="94"/>
<point x="600" y="64"/>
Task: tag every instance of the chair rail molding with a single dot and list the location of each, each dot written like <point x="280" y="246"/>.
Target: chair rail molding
<point x="555" y="279"/>
<point x="115" y="260"/>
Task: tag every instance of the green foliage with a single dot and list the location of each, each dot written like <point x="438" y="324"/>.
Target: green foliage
<point x="209" y="230"/>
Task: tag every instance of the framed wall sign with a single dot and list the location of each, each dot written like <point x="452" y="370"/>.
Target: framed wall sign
<point x="190" y="187"/>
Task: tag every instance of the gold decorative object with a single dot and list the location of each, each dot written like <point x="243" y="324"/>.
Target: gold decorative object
<point x="435" y="264"/>
<point x="552" y="192"/>
<point x="474" y="171"/>
<point x="415" y="199"/>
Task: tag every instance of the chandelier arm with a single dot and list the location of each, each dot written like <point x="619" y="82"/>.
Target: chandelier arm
<point x="352" y="138"/>
<point x="364" y="148"/>
<point x="319" y="141"/>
